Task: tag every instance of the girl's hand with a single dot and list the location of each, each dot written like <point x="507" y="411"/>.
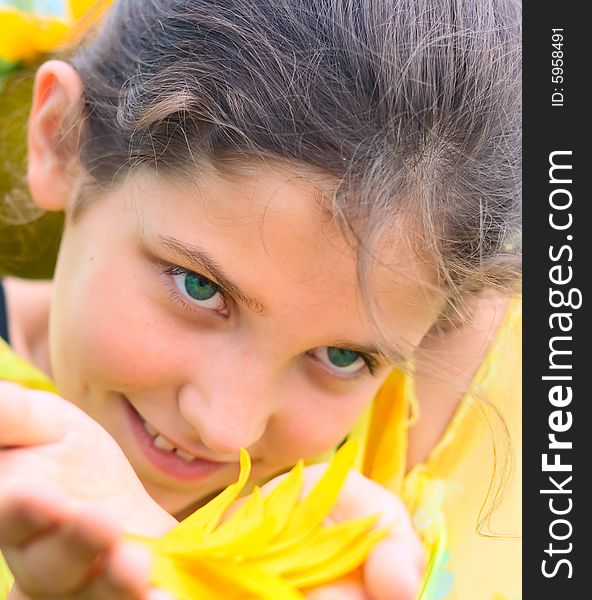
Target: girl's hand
<point x="66" y="492"/>
<point x="394" y="569"/>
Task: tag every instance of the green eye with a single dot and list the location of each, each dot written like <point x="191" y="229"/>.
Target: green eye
<point x="341" y="357"/>
<point x="197" y="290"/>
<point x="199" y="287"/>
<point x="341" y="361"/>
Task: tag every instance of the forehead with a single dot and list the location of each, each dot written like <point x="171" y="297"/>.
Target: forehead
<point x="269" y="229"/>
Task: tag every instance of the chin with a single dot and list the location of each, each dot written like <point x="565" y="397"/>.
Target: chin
<point x="178" y="506"/>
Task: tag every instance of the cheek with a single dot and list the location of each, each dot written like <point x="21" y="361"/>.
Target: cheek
<point x="317" y="426"/>
<point x="112" y="334"/>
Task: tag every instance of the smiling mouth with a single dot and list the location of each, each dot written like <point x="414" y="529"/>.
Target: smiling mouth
<point x="163" y="453"/>
<point x="163" y="443"/>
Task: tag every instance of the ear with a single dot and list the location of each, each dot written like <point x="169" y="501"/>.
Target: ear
<point x="57" y="98"/>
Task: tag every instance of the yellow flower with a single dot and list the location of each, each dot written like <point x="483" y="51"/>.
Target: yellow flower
<point x="268" y="549"/>
<point x="25" y="35"/>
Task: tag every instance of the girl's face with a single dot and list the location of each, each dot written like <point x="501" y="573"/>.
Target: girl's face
<point x="217" y="316"/>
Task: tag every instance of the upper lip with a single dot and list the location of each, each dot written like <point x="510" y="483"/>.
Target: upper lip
<point x="183" y="447"/>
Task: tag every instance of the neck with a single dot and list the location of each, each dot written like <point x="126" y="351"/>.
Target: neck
<point x="446" y="364"/>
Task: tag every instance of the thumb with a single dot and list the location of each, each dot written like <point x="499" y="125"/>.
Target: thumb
<point x="394" y="570"/>
<point x="30" y="417"/>
<point x="347" y="588"/>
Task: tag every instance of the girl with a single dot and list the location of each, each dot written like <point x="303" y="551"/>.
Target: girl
<point x="287" y="223"/>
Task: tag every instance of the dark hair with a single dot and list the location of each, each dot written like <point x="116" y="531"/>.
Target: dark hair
<point x="411" y="106"/>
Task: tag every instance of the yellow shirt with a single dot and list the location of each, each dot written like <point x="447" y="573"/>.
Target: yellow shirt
<point x="472" y="557"/>
<point x="451" y="490"/>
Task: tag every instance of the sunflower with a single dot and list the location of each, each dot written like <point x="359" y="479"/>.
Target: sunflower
<point x="271" y="547"/>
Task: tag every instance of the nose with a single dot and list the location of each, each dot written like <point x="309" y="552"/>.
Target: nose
<point x="228" y="418"/>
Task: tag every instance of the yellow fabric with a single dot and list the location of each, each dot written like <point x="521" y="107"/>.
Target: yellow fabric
<point x="445" y="494"/>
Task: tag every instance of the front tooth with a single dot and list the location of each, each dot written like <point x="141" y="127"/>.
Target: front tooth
<point x="161" y="442"/>
<point x="184" y="455"/>
<point x="150" y="428"/>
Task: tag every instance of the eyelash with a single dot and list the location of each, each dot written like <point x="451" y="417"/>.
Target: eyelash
<point x="371" y="366"/>
<point x="169" y="271"/>
<point x="371" y="363"/>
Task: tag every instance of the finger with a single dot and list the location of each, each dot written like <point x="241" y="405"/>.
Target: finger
<point x="158" y="595"/>
<point x="347" y="588"/>
<point x="124" y="575"/>
<point x="385" y="581"/>
<point x="338" y="591"/>
<point x="28" y="513"/>
<point x="394" y="568"/>
<point x="392" y="571"/>
<point x="29" y="417"/>
<point x="59" y="561"/>
<point x="403" y="548"/>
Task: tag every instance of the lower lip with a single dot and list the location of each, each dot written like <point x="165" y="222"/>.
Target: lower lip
<point x="168" y="462"/>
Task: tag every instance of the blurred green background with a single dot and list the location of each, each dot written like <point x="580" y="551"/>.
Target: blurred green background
<point x="29" y="238"/>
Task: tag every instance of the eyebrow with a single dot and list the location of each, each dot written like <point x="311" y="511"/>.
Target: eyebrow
<point x="199" y="259"/>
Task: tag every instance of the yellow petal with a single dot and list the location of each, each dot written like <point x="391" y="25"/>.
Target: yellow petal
<point x="319" y="502"/>
<point x="281" y="502"/>
<point x="245" y="530"/>
<point x="267" y="517"/>
<point x="213" y="579"/>
<point x="270" y="545"/>
<point x="329" y="540"/>
<point x="338" y="564"/>
<point x="253" y="582"/>
<point x="166" y="574"/>
<point x="206" y="519"/>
